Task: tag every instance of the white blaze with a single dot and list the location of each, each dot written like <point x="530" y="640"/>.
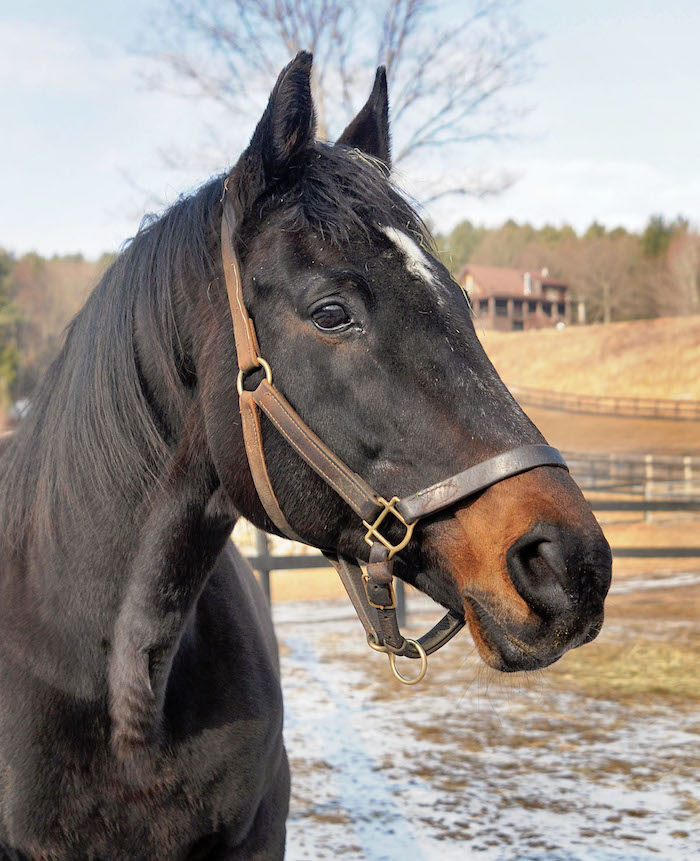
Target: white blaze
<point x="416" y="261"/>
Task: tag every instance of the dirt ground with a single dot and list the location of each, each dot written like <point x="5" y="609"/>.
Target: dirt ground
<point x="593" y="759"/>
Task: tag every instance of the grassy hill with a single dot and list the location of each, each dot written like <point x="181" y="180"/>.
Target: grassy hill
<point x="645" y="358"/>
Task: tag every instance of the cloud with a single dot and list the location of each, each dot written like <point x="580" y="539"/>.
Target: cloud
<point x="36" y="57"/>
<point x="82" y="142"/>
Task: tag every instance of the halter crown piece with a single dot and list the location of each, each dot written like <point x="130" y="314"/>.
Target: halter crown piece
<point x="371" y="591"/>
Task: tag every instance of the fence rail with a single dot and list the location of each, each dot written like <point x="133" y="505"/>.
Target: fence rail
<point x="651" y="476"/>
<point x="650" y="408"/>
<point x="264" y="562"/>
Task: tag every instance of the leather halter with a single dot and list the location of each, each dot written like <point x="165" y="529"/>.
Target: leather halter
<point x="371" y="592"/>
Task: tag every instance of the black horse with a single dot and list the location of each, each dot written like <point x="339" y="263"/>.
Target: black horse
<point x="140" y="705"/>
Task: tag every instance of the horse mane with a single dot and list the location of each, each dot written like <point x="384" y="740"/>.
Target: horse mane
<point x="93" y="428"/>
<point x="92" y="425"/>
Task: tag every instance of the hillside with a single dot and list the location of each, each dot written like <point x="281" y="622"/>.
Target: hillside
<point x="644" y="358"/>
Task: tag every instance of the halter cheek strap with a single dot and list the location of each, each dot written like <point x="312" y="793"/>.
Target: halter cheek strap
<point x="371" y="591"/>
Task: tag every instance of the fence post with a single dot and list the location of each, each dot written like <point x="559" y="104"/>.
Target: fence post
<point x="612" y="468"/>
<point x="648" y="484"/>
<point x="262" y="549"/>
<point x="688" y="474"/>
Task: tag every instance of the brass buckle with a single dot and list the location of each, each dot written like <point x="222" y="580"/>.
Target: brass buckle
<point x="392" y="592"/>
<point x="373" y="533"/>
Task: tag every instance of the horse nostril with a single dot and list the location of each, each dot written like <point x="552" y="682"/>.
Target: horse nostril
<point x="538" y="570"/>
<point x="553" y="555"/>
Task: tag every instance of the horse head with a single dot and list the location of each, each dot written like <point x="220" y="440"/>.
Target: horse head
<point x="373" y="344"/>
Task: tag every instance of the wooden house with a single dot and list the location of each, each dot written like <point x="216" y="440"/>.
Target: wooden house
<point x="511" y="300"/>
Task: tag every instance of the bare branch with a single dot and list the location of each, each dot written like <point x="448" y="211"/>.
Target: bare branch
<point x="478" y="185"/>
<point x="451" y="74"/>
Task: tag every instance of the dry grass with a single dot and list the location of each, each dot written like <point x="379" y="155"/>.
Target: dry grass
<point x="594" y="756"/>
<point x="665" y="533"/>
<point x="647" y="611"/>
<point x="311" y="584"/>
<point x="637" y="567"/>
<point x="647" y="358"/>
<point x="629" y="531"/>
<point x="655" y="661"/>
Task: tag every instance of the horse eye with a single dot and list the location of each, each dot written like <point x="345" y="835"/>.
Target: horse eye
<point x="329" y="317"/>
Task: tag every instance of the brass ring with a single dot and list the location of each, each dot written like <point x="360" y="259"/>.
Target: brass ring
<point x="423" y="665"/>
<point x="373" y="644"/>
<point x="261" y="364"/>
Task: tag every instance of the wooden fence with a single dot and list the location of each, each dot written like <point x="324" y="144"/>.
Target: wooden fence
<point x="651" y="476"/>
<point x="648" y="408"/>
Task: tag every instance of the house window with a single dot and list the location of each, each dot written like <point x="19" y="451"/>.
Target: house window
<point x="532" y="307"/>
<point x="561" y="309"/>
<point x="501" y="307"/>
<point x="518" y="306"/>
<point x="518" y="326"/>
<point x="483" y="306"/>
<point x="547" y="308"/>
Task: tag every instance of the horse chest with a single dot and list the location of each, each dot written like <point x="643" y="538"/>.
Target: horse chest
<point x="217" y="758"/>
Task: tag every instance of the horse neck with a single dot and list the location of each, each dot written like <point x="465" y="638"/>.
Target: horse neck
<point x="67" y="580"/>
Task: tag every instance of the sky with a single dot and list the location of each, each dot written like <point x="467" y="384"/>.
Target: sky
<point x="87" y="148"/>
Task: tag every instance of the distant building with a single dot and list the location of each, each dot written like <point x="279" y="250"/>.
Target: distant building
<point x="511" y="300"/>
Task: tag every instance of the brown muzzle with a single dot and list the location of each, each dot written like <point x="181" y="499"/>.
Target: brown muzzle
<point x="531" y="565"/>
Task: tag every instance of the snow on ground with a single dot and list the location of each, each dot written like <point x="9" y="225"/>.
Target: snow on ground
<point x="464" y="766"/>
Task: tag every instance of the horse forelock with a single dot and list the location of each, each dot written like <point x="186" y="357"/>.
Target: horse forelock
<point x="343" y="195"/>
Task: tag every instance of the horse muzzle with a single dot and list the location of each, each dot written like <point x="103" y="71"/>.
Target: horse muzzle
<point x="513" y="648"/>
<point x="532" y="568"/>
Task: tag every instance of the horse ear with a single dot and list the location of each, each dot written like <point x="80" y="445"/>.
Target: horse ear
<point x="369" y="131"/>
<point x="286" y="129"/>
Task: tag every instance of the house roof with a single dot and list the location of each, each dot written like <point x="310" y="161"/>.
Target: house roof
<point x="502" y="281"/>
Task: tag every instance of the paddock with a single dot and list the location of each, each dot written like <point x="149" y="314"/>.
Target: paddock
<point x="591" y="759"/>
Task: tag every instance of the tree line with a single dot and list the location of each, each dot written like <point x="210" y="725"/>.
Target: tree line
<point x="38" y="298"/>
<point x="621" y="275"/>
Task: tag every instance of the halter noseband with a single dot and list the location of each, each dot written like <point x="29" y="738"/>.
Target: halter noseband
<point x="372" y="591"/>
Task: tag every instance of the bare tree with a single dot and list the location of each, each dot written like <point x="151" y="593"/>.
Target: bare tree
<point x="450" y="72"/>
<point x="684" y="272"/>
<point x="616" y="282"/>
